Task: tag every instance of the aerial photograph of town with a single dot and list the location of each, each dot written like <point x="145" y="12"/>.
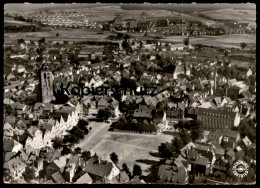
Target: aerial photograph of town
<point x="109" y="93"/>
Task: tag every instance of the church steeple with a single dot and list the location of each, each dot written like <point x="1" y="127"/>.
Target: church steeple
<point x="46" y="84"/>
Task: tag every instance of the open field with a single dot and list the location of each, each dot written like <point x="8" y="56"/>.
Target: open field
<point x="241" y="15"/>
<point x="128" y="146"/>
<point x="187" y="8"/>
<point x="108" y="12"/>
<point x="8" y="21"/>
<point x="69" y="34"/>
<point x="224" y="41"/>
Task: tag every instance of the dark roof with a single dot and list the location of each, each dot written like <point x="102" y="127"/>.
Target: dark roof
<point x="215" y="112"/>
<point x="99" y="168"/>
<point x="10" y="119"/>
<point x="58" y="115"/>
<point x="8" y="145"/>
<point x="172" y="174"/>
<point x="230" y="133"/>
<point x="73" y="159"/>
<point x="58" y="178"/>
<point x="123" y="177"/>
<point x="201" y="161"/>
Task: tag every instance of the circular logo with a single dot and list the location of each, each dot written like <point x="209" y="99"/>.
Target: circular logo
<point x="240" y="169"/>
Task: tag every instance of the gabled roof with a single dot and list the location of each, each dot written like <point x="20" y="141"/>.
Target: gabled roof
<point x="58" y="178"/>
<point x="215" y="112"/>
<point x="202" y="161"/>
<point x="61" y="161"/>
<point x="123" y="177"/>
<point x="172" y="174"/>
<point x="230" y="133"/>
<point x="8" y="145"/>
<point x="10" y="119"/>
<point x="32" y="130"/>
<point x="98" y="168"/>
<point x="73" y="159"/>
<point x="247" y="141"/>
<point x="85" y="178"/>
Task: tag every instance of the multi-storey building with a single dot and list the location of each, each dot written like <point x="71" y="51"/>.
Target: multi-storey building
<point x="214" y="119"/>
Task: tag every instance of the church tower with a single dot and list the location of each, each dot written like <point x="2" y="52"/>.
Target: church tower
<point x="46" y="85"/>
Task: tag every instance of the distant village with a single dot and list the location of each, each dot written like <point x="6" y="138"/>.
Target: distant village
<point x="207" y="101"/>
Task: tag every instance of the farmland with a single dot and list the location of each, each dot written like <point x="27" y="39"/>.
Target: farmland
<point x="8" y="22"/>
<point x="64" y="34"/>
<point x="248" y="16"/>
<point x="108" y="12"/>
<point x="224" y="41"/>
<point x="187" y="8"/>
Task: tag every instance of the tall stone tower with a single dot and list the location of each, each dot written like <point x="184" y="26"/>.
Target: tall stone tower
<point x="46" y="85"/>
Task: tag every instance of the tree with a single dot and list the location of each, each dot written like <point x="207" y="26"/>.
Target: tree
<point x="120" y="36"/>
<point x="82" y="125"/>
<point x="77" y="150"/>
<point x="77" y="132"/>
<point x="56" y="143"/>
<point x="127" y="47"/>
<point x="180" y="125"/>
<point x="41" y="41"/>
<point x="219" y="175"/>
<point x="195" y="134"/>
<point x="137" y="171"/>
<point x="177" y="144"/>
<point x="165" y="150"/>
<point x="196" y="129"/>
<point x="20" y="41"/>
<point x="243" y="45"/>
<point x="66" y="150"/>
<point x="126" y="169"/>
<point x="71" y="139"/>
<point x="186" y="41"/>
<point x="185" y="137"/>
<point x="114" y="157"/>
<point x="126" y="37"/>
<point x="29" y="174"/>
<point x="86" y="155"/>
<point x="128" y="83"/>
<point x="104" y="114"/>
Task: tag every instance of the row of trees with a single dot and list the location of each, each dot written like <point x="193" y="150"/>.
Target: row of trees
<point x="76" y="133"/>
<point x="104" y="114"/>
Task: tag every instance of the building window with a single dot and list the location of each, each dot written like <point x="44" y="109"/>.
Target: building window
<point x="225" y="139"/>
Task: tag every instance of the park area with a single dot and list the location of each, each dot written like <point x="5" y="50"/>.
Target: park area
<point x="131" y="148"/>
